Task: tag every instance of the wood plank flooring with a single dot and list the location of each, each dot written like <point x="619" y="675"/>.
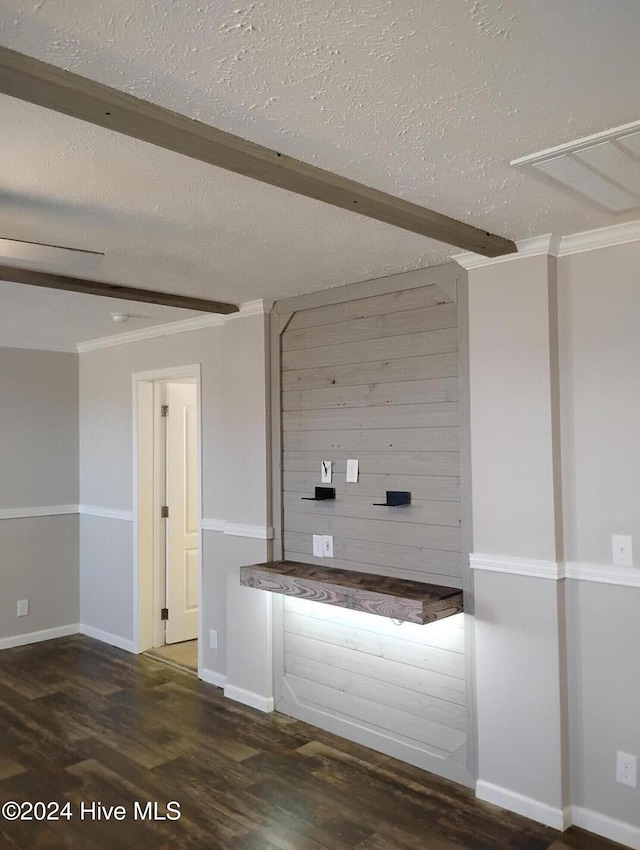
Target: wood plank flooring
<point x="84" y="723"/>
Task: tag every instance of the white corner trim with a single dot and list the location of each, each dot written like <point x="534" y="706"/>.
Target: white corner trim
<point x="183" y="326"/>
<point x="558" y="819"/>
<point x="517" y="566"/>
<point x="213" y="678"/>
<point x="49" y="510"/>
<point x="603" y="237"/>
<point x="559" y="246"/>
<point x="213" y="525"/>
<point x="533" y="247"/>
<point x="249" y="698"/>
<point x="259" y="532"/>
<point x="251" y="308"/>
<point x="107" y="637"/>
<point x="238" y="529"/>
<point x="37" y="637"/>
<point x="603" y="573"/>
<point x="614" y="830"/>
<point x="106" y="513"/>
<point x="209" y="320"/>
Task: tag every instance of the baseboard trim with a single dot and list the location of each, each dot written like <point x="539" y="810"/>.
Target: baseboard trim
<point x="558" y="819"/>
<point x="614" y="830"/>
<point x="213" y="678"/>
<point x="249" y="698"/>
<point x="107" y="637"/>
<point x="37" y="637"/>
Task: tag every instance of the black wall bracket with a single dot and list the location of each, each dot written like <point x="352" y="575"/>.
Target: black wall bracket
<point x="322" y="494"/>
<point x="395" y="499"/>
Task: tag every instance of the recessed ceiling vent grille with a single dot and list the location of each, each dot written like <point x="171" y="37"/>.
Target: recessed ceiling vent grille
<point x="604" y="168"/>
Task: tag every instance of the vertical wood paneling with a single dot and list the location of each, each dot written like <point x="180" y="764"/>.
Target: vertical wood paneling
<point x="376" y="379"/>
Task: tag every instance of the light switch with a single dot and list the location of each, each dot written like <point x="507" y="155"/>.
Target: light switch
<point x="325" y="472"/>
<point x="352" y="471"/>
<point x="328" y="545"/>
<point x="318" y="545"/>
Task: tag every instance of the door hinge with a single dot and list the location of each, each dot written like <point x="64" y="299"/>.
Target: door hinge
<point x="164" y="410"/>
<point x="164" y="613"/>
<point x="164" y="512"/>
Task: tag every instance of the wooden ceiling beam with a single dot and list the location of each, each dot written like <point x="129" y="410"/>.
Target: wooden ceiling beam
<point x="43" y="84"/>
<point x="113" y="290"/>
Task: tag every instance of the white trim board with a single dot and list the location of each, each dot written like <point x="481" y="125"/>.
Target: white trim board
<point x="511" y="565"/>
<point x="106" y="513"/>
<point x="48" y="510"/>
<point x="615" y="830"/>
<point x="249" y="698"/>
<point x="559" y="246"/>
<point x="237" y="529"/>
<point x="517" y="566"/>
<point x="37" y="637"/>
<point x="107" y="637"/>
<point x="559" y="819"/>
<point x="603" y="573"/>
<point x="249" y="308"/>
<point x="213" y="678"/>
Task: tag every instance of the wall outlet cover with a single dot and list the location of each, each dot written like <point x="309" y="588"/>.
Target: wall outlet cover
<point x="213" y="639"/>
<point x="23" y="607"/>
<point x="328" y="545"/>
<point x="621" y="550"/>
<point x="627" y="769"/>
<point x="318" y="545"/>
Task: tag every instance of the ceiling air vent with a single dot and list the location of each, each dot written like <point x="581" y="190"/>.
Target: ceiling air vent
<point x="604" y="168"/>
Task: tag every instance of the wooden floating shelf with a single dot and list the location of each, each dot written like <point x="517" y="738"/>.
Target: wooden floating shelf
<point x="399" y="599"/>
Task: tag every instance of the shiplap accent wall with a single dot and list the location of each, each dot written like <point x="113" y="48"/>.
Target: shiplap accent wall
<point x="376" y="378"/>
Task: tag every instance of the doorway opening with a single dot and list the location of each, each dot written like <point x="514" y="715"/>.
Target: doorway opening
<point x="167" y="534"/>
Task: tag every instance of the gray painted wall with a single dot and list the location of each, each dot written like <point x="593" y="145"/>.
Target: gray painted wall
<point x="39" y="427"/>
<point x="599" y="306"/>
<point x="234" y="480"/>
<point x="39" y="462"/>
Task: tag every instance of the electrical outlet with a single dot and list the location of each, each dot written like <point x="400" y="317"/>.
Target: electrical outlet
<point x="318" y="545"/>
<point x="23" y="607"/>
<point x="621" y="550"/>
<point x="627" y="769"/>
<point x="213" y="639"/>
<point x="328" y="545"/>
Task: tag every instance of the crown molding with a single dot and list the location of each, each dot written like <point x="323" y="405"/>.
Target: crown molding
<point x="604" y="237"/>
<point x="249" y="308"/>
<point x="559" y="246"/>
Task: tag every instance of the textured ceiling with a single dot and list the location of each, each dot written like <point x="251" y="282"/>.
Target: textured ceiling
<point x="426" y="99"/>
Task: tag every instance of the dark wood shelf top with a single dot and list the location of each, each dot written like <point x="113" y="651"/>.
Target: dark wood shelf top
<point x="397" y="598"/>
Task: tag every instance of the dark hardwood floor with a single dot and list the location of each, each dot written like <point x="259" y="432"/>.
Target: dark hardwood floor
<point x="93" y="727"/>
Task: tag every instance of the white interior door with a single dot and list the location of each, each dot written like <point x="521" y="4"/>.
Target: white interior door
<point x="182" y="524"/>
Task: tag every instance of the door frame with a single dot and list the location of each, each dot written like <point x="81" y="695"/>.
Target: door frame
<point x="146" y="548"/>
